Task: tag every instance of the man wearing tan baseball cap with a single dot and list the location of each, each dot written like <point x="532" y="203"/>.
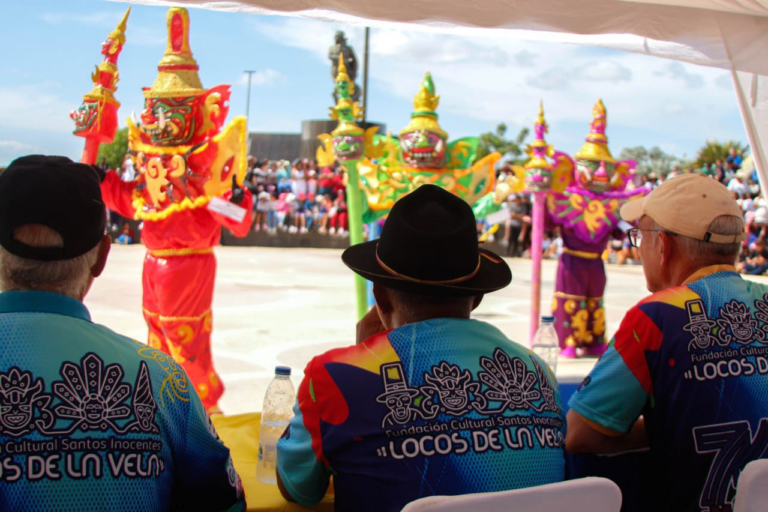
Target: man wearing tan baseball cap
<point x="683" y="372"/>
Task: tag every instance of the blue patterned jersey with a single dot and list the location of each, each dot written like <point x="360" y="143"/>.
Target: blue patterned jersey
<point x="445" y="406"/>
<point x="91" y="420"/>
<point x="693" y="360"/>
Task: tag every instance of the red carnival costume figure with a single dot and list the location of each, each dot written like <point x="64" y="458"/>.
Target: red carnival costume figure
<point x="185" y="165"/>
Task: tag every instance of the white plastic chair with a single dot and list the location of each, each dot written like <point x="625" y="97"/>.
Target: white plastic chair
<point x="752" y="491"/>
<point x="590" y="494"/>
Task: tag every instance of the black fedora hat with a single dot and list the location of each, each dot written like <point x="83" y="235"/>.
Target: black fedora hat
<point x="428" y="246"/>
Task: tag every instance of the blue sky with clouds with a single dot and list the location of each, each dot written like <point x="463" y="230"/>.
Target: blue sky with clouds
<point x="50" y="48"/>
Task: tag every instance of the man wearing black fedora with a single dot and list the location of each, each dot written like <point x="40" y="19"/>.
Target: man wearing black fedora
<point x="437" y="403"/>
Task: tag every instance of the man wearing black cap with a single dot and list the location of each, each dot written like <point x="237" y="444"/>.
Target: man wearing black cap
<point x="89" y="419"/>
<point x="438" y="404"/>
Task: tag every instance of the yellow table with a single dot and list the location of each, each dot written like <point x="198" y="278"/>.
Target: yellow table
<point x="241" y="434"/>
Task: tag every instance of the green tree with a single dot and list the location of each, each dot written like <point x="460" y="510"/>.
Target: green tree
<point x="651" y="160"/>
<point x="496" y="141"/>
<point x="114" y="153"/>
<point x="714" y="150"/>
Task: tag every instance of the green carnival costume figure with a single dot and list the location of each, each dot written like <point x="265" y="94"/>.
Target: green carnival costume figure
<point x="391" y="168"/>
<point x="347" y="144"/>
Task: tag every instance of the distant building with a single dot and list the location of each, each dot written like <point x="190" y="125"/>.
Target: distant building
<point x="274" y="146"/>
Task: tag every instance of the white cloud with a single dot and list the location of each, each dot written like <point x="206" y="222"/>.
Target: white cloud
<point x="678" y="71"/>
<point x="13" y="149"/>
<point x="262" y="78"/>
<point x="35" y="107"/>
<point x="724" y="82"/>
<point x="15" y="146"/>
<point x="312" y="36"/>
<point x="431" y="48"/>
<point x="526" y="59"/>
<point x="549" y="80"/>
<point x="671" y="148"/>
<point x="94" y="18"/>
<point x="492" y="78"/>
<point x="672" y="108"/>
<point x="603" y="71"/>
<point x="144" y="36"/>
<point x="136" y="35"/>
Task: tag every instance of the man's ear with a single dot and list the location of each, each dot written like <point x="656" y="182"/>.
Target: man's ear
<point x="101" y="261"/>
<point x="476" y="300"/>
<point x="382" y="299"/>
<point x="666" y="247"/>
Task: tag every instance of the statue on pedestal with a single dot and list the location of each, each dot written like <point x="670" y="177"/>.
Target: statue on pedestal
<point x="342" y="49"/>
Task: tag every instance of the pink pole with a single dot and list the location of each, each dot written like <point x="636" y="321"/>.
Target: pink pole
<point x="537" y="236"/>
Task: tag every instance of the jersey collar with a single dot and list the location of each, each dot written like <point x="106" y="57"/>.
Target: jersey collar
<point x="707" y="271"/>
<point x="42" y="302"/>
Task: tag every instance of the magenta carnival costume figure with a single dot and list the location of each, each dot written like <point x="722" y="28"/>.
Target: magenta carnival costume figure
<point x="588" y="214"/>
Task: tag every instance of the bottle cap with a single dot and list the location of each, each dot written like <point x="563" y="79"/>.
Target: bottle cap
<point x="549" y="319"/>
<point x="282" y="370"/>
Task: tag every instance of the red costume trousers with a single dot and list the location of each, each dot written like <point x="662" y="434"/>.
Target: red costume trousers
<point x="178" y="293"/>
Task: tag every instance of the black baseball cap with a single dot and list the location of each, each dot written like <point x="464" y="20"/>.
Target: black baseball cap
<point x="57" y="193"/>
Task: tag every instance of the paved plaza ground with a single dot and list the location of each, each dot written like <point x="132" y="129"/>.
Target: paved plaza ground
<point x="283" y="306"/>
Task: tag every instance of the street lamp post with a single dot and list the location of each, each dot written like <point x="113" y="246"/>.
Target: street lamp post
<point x="365" y="75"/>
<point x="248" y="98"/>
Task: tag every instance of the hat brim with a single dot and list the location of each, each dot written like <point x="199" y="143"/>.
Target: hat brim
<point x="633" y="210"/>
<point x="493" y="274"/>
<point x="707" y="322"/>
<point x="383" y="397"/>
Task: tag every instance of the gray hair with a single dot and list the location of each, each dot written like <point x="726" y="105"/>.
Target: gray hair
<point x="722" y="225"/>
<point x="69" y="277"/>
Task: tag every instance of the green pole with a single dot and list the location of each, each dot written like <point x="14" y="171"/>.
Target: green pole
<point x="355" y="213"/>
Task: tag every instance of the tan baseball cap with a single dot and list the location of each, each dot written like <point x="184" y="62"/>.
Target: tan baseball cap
<point x="687" y="204"/>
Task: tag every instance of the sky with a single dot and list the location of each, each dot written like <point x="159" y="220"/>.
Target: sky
<point x="51" y="47"/>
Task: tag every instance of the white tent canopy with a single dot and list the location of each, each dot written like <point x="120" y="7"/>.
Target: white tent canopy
<point x="728" y="34"/>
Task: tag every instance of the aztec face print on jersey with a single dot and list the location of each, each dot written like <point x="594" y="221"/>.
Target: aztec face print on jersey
<point x="694" y="361"/>
<point x="92" y="396"/>
<point x="444" y="406"/>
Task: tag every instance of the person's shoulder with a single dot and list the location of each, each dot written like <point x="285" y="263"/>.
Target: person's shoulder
<point x="372" y="345"/>
<point x="676" y="296"/>
<point x="454" y="326"/>
<point x="128" y="350"/>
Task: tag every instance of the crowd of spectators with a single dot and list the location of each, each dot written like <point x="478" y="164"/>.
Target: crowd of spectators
<point x="302" y="197"/>
<point x="297" y="197"/>
<point x="516" y="235"/>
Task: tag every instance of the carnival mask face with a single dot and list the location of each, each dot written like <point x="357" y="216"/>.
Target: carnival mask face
<point x="538" y="180"/>
<point x="110" y="47"/>
<point x="348" y="147"/>
<point x="342" y="88"/>
<point x="594" y="176"/>
<point x="400" y="405"/>
<point x="93" y="409"/>
<point x="170" y="121"/>
<point x="423" y="149"/>
<point x="15" y="411"/>
<point x="701" y="334"/>
<point x="84" y="116"/>
<point x="453" y="397"/>
<point x="144" y="415"/>
<point x="739" y="318"/>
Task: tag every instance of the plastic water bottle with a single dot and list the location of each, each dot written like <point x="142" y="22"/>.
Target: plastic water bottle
<point x="275" y="416"/>
<point x="545" y="343"/>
